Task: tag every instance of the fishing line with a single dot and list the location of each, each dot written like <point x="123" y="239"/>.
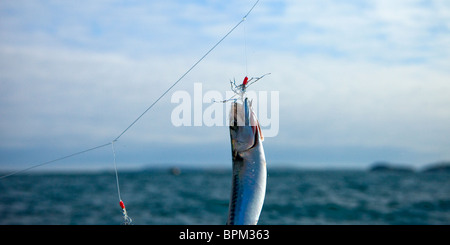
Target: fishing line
<point x="126" y="219"/>
<point x="245" y="50"/>
<point x="52" y="161"/>
<point x="140" y="116"/>
<point x="115" y="170"/>
<point x="189" y="70"/>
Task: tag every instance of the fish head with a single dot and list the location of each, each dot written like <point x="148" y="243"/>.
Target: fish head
<point x="244" y="127"/>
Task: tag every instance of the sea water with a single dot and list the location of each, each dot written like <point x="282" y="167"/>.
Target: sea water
<point x="201" y="197"/>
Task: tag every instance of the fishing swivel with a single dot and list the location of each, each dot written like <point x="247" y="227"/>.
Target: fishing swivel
<point x="126" y="219"/>
<point x="241" y="88"/>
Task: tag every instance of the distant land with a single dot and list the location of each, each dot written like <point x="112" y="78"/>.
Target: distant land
<point x="390" y="167"/>
<point x="384" y="166"/>
<point x="438" y="167"/>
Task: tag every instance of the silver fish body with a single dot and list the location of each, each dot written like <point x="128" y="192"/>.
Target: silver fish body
<point x="249" y="166"/>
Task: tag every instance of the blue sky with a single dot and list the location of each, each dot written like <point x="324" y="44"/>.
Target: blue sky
<point x="359" y="81"/>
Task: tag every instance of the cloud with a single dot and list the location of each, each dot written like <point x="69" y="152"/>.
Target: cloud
<point x="386" y="31"/>
<point x="351" y="75"/>
<point x="329" y="102"/>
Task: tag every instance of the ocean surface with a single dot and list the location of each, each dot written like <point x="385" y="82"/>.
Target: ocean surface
<point x="157" y="197"/>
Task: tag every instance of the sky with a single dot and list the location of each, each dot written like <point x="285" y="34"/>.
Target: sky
<point x="358" y="81"/>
